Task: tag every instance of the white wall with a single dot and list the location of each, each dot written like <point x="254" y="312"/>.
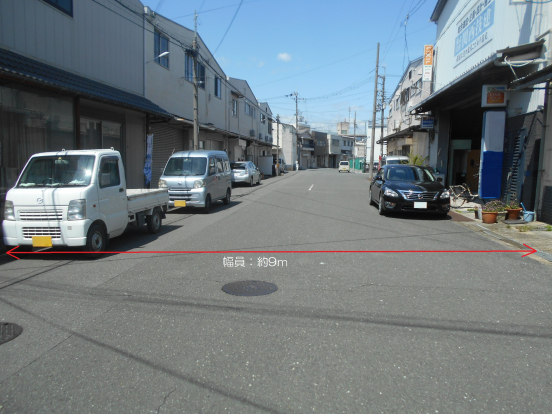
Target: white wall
<point x="97" y="43"/>
<point x="514" y="24"/>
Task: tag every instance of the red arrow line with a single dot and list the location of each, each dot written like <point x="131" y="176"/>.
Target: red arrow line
<point x="527" y="252"/>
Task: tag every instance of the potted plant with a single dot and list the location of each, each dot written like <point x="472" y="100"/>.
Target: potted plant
<point x="513" y="210"/>
<point x="490" y="211"/>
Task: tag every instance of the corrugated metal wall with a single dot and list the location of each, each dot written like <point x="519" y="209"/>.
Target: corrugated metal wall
<point x="166" y="141"/>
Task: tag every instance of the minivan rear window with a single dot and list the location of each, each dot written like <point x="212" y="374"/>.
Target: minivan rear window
<point x="178" y="166"/>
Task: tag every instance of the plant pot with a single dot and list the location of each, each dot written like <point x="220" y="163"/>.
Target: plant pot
<point x="513" y="213"/>
<point x="489" y="217"/>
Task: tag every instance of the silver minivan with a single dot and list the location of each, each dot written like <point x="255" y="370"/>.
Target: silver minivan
<point x="197" y="178"/>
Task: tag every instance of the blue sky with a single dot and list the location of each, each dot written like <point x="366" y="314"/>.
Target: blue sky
<point x="325" y="50"/>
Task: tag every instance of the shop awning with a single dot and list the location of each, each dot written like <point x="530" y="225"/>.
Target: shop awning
<point x="13" y="65"/>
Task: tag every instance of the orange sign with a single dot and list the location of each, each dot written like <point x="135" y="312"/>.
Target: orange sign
<point x="428" y="55"/>
<point x="494" y="95"/>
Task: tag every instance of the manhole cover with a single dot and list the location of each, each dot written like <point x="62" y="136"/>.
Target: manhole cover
<point x="250" y="288"/>
<point x="9" y="331"/>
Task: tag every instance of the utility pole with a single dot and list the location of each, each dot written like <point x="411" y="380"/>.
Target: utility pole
<point x="297" y="130"/>
<point x="278" y="144"/>
<point x="196" y="91"/>
<point x="382" y="112"/>
<point x="354" y="143"/>
<point x="374" y="116"/>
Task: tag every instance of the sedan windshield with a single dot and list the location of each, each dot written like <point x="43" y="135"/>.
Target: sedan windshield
<point x="409" y="174"/>
<point x="178" y="166"/>
<point x="58" y="171"/>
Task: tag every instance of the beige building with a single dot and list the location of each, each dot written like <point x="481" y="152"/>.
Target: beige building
<point x="404" y="133"/>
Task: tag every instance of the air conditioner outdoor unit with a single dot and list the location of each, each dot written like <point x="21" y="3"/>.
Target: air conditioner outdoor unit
<point x="252" y="133"/>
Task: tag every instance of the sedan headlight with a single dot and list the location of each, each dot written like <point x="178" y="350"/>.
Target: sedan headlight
<point x="199" y="183"/>
<point x="162" y="184"/>
<point x="390" y="193"/>
<point x="445" y="194"/>
<point x="9" y="212"/>
<point x="76" y="210"/>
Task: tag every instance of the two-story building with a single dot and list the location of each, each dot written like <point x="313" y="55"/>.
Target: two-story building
<point x="229" y="116"/>
<point x="489" y="126"/>
<point x="67" y="83"/>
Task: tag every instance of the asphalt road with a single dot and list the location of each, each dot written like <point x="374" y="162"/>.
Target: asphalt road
<point x="344" y="332"/>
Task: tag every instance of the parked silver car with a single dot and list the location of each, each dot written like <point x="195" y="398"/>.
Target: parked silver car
<point x="197" y="178"/>
<point x="245" y="172"/>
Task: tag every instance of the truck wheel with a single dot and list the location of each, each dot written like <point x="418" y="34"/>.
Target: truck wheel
<point x="96" y="241"/>
<point x="226" y="200"/>
<point x="154" y="222"/>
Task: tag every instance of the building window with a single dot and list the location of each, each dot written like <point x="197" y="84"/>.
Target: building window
<point x="66" y="6"/>
<point x="410" y="75"/>
<point x="201" y="145"/>
<point x="161" y="45"/>
<point x="200" y="72"/>
<point x="189" y="69"/>
<point x="217" y="86"/>
<point x="249" y="110"/>
<point x="234" y="108"/>
<point x="263" y="118"/>
<point x="201" y="75"/>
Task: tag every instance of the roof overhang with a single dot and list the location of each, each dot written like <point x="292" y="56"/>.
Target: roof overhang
<point x="400" y="134"/>
<point x="466" y="89"/>
<point x="21" y="69"/>
<point x="539" y="76"/>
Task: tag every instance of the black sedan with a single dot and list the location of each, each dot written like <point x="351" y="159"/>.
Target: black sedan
<point x="408" y="188"/>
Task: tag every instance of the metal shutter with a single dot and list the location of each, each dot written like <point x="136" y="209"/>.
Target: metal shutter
<point x="166" y="140"/>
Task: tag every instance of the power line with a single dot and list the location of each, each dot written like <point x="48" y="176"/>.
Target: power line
<point x="229" y="26"/>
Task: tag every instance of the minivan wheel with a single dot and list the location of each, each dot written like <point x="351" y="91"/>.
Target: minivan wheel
<point x="207" y="207"/>
<point x="226" y="200"/>
<point x="154" y="222"/>
<point x="96" y="241"/>
<point x="381" y="208"/>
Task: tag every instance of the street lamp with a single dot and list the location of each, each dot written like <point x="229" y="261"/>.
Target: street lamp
<point x="160" y="56"/>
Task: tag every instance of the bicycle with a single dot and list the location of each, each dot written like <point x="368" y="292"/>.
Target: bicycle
<point x="460" y="193"/>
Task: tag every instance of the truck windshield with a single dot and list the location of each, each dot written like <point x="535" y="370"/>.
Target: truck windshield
<point x="178" y="166"/>
<point x="58" y="171"/>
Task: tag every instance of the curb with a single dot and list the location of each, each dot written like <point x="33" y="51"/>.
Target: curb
<point x="491" y="233"/>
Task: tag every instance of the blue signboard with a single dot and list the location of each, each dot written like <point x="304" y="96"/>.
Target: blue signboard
<point x="427" y="123"/>
<point x="474" y="30"/>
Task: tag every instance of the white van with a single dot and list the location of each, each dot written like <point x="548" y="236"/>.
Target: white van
<point x="344" y="166"/>
<point x="394" y="159"/>
<point x="197" y="178"/>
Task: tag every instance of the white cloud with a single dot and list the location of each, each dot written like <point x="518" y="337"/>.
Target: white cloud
<point x="284" y="57"/>
<point x="261" y="64"/>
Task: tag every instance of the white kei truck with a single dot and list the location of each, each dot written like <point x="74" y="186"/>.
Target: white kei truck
<point x="77" y="198"/>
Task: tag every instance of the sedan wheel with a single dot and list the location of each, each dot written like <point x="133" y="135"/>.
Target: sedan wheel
<point x="371" y="201"/>
<point x="381" y="208"/>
